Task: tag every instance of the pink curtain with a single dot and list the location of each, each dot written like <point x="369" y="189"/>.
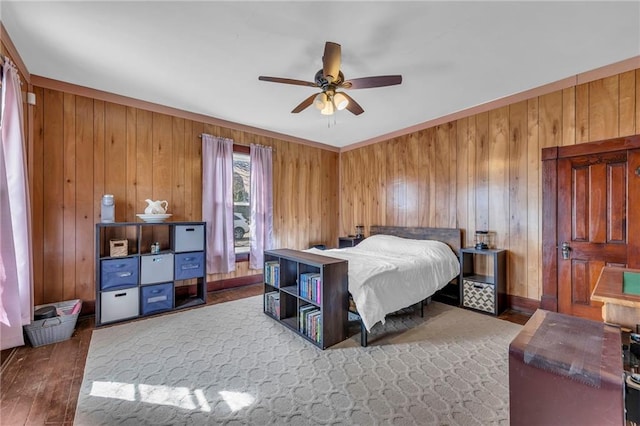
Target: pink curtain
<point x="261" y="227"/>
<point x="16" y="300"/>
<point x="217" y="203"/>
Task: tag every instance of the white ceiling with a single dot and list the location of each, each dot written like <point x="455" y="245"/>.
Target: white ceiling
<point x="206" y="56"/>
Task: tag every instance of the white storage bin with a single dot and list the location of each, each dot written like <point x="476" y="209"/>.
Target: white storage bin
<point x="156" y="268"/>
<point x="188" y="238"/>
<point x="479" y="295"/>
<point x="117" y="305"/>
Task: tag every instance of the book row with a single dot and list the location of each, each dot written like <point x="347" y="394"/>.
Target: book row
<point x="272" y="273"/>
<point x="272" y="303"/>
<point x="311" y="287"/>
<point x="311" y="322"/>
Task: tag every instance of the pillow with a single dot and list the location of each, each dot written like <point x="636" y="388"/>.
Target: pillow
<point x="396" y="245"/>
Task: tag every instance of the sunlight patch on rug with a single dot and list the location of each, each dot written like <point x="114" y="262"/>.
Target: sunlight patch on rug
<point x="237" y="400"/>
<point x="124" y="391"/>
<point x="180" y="397"/>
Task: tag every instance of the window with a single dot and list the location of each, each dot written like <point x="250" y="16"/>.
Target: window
<point x="241" y="207"/>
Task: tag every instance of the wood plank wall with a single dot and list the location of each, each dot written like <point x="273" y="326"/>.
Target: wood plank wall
<point x="477" y="172"/>
<point x="483" y="171"/>
<point x="85" y="147"/>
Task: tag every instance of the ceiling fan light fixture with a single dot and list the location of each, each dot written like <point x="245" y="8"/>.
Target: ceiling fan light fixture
<point x="340" y="101"/>
<point x="328" y="109"/>
<point x="320" y="101"/>
<point x="330" y="78"/>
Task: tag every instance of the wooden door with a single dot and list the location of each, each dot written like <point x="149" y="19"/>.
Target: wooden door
<point x="591" y="202"/>
<point x="592" y="218"/>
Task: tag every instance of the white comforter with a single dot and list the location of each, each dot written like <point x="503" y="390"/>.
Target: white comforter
<point x="388" y="273"/>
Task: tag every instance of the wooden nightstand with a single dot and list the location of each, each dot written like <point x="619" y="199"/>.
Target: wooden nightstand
<point x="487" y="293"/>
<point x="350" y="241"/>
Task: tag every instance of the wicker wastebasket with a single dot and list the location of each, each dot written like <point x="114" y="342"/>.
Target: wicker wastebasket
<point x="56" y="329"/>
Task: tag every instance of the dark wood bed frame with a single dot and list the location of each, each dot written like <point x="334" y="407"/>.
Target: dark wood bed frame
<point x="450" y="236"/>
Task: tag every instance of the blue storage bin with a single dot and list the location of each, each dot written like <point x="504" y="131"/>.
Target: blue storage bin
<point x="118" y="273"/>
<point x="189" y="265"/>
<point x="156" y="298"/>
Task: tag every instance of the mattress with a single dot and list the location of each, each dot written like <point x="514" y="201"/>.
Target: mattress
<point x="388" y="273"/>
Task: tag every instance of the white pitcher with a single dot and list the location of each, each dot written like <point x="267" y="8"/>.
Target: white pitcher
<point x="156" y="207"/>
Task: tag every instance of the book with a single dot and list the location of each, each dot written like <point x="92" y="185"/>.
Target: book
<point x="308" y="286"/>
<point x="314" y="325"/>
<point x="272" y="303"/>
<point x="272" y="273"/>
<point x="316" y="285"/>
<point x="303" y="317"/>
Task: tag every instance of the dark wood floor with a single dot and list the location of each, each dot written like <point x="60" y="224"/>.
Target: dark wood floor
<point x="40" y="386"/>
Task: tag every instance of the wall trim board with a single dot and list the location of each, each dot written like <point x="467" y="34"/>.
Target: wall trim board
<point x="585" y="77"/>
<point x="234" y="282"/>
<point x="615" y="144"/>
<point x="49" y="83"/>
<point x="608" y="70"/>
<point x="549" y="298"/>
<point x="522" y="304"/>
<point x="88" y="308"/>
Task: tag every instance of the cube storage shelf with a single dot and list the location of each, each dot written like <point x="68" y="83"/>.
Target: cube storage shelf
<point x="137" y="282"/>
<point x="485" y="292"/>
<point x="307" y="293"/>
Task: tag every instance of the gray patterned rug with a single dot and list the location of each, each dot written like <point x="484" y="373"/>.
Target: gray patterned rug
<point x="230" y="364"/>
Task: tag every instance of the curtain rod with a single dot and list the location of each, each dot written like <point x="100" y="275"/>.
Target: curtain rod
<point x="4" y="60"/>
<point x="244" y="144"/>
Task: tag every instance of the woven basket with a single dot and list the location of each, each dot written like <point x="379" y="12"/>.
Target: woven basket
<point x="118" y="248"/>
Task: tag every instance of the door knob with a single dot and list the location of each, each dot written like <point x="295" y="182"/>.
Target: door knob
<point x="566" y="250"/>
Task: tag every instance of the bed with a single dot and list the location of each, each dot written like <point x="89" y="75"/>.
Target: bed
<point x="397" y="267"/>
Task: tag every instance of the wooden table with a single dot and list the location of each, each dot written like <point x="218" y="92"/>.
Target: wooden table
<point x="619" y="308"/>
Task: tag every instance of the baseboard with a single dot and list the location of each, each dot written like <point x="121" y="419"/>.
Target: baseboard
<point x="522" y="304"/>
<point x="234" y="282"/>
<point x="88" y="308"/>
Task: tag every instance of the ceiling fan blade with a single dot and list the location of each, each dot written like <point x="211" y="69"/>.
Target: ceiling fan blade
<point x="331" y="61"/>
<point x="304" y="104"/>
<point x="287" y="81"/>
<point x="369" y="82"/>
<point x="353" y="106"/>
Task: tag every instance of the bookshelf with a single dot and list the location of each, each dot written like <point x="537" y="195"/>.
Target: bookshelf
<point x="134" y="280"/>
<point x="308" y="294"/>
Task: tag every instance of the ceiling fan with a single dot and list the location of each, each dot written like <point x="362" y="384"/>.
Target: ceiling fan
<point x="330" y="79"/>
